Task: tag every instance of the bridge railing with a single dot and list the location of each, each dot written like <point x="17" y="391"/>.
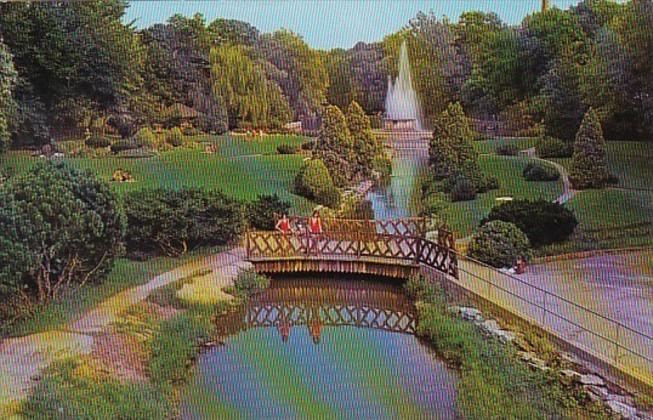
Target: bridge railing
<point x="266" y="246"/>
<point x="412" y="226"/>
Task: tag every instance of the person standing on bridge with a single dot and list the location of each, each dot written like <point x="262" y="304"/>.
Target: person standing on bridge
<point x="315" y="228"/>
<point x="283" y="224"/>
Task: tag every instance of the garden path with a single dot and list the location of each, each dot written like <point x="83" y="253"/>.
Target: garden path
<point x="22" y="359"/>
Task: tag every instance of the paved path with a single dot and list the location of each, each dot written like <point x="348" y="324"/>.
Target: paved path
<point x="23" y="358"/>
<point x="618" y="287"/>
<point x="568" y="191"/>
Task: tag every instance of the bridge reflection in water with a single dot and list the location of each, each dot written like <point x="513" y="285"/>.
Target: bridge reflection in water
<point x="316" y="303"/>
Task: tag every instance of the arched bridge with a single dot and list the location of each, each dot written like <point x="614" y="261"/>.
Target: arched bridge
<point x="392" y="248"/>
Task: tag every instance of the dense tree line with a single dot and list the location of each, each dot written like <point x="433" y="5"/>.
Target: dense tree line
<point x="79" y="64"/>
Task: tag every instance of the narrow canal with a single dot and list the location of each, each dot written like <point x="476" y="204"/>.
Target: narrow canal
<point x="327" y="347"/>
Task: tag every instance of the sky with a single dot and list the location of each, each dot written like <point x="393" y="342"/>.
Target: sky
<point x="327" y="24"/>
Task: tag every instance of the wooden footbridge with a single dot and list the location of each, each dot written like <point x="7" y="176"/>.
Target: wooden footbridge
<point x="391" y="248"/>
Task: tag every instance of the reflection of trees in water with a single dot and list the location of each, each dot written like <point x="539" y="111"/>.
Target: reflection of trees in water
<point x="323" y="303"/>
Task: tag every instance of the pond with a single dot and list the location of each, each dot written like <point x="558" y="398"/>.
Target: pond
<point x="314" y="346"/>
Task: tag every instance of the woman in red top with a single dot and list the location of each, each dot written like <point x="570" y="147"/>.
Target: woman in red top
<point x="314" y="228"/>
<point x="283" y="224"/>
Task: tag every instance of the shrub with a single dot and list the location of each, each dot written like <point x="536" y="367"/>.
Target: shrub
<point x="287" y="149"/>
<point x="120" y="145"/>
<point x="170" y="222"/>
<point x="263" y="212"/>
<point x="382" y="165"/>
<point x="58" y="227"/>
<point x="487" y="183"/>
<point x="145" y="137"/>
<point x="434" y="208"/>
<point x="249" y="283"/>
<point x="462" y="189"/>
<point x="509" y="149"/>
<point x="97" y="142"/>
<point x="536" y="171"/>
<point x="499" y="244"/>
<point x="191" y="131"/>
<point x="136" y="154"/>
<point x="175" y="137"/>
<point x="314" y="182"/>
<point x="543" y="222"/>
<point x="549" y="147"/>
<point x="308" y="145"/>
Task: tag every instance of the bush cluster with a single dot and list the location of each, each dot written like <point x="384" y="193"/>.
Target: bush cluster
<point x="287" y="149"/>
<point x="175" y="137"/>
<point x="461" y="189"/>
<point x="314" y="182"/>
<point x="509" y="149"/>
<point x="543" y="222"/>
<point x="145" y="137"/>
<point x="537" y="171"/>
<point x="121" y="145"/>
<point x="263" y="212"/>
<point x="170" y="222"/>
<point x="249" y="283"/>
<point x="97" y="142"/>
<point x="549" y="147"/>
<point x="499" y="244"/>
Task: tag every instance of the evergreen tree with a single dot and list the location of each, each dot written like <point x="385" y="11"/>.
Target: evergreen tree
<point x="588" y="164"/>
<point x="335" y="146"/>
<point x="451" y="151"/>
<point x="366" y="146"/>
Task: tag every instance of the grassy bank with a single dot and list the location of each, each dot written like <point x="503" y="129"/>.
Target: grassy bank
<point x="493" y="382"/>
<point x="85" y="387"/>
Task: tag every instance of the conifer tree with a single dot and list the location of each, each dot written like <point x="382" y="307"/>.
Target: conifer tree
<point x="335" y="146"/>
<point x="366" y="146"/>
<point x="451" y="151"/>
<point x="588" y="164"/>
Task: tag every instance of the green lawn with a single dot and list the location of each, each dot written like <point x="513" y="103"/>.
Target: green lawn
<point x="490" y="146"/>
<point x="241" y="168"/>
<point x="464" y="216"/>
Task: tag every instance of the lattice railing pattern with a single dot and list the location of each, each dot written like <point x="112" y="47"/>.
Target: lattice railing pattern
<point x="408" y="226"/>
<point x="267" y="246"/>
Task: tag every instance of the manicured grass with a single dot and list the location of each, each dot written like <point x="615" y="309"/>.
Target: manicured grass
<point x="241" y="168"/>
<point x="619" y="216"/>
<point x="490" y="146"/>
<point x="464" y="216"/>
<point x="125" y="274"/>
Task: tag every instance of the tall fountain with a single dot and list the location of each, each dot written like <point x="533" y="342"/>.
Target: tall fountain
<point x="402" y="107"/>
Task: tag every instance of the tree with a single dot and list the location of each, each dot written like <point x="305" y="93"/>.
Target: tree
<point x="7" y="83"/>
<point x="299" y="72"/>
<point x="314" y="182"/>
<point x="60" y="228"/>
<point x="588" y="163"/>
<point x="335" y="146"/>
<point x="264" y="212"/>
<point x="251" y="99"/>
<point x="366" y="145"/>
<point x="451" y="151"/>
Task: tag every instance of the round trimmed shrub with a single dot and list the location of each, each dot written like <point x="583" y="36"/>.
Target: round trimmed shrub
<point x="287" y="149"/>
<point x="549" y="147"/>
<point x="314" y="182"/>
<point x="462" y="189"/>
<point x="543" y="222"/>
<point x="175" y="137"/>
<point x="145" y="137"/>
<point x="97" y="142"/>
<point x="499" y="244"/>
<point x="537" y="171"/>
<point x="507" y="150"/>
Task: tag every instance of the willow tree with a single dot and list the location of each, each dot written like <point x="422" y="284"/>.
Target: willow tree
<point x="251" y="99"/>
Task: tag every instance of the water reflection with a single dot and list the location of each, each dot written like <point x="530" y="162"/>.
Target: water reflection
<point x="314" y="347"/>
